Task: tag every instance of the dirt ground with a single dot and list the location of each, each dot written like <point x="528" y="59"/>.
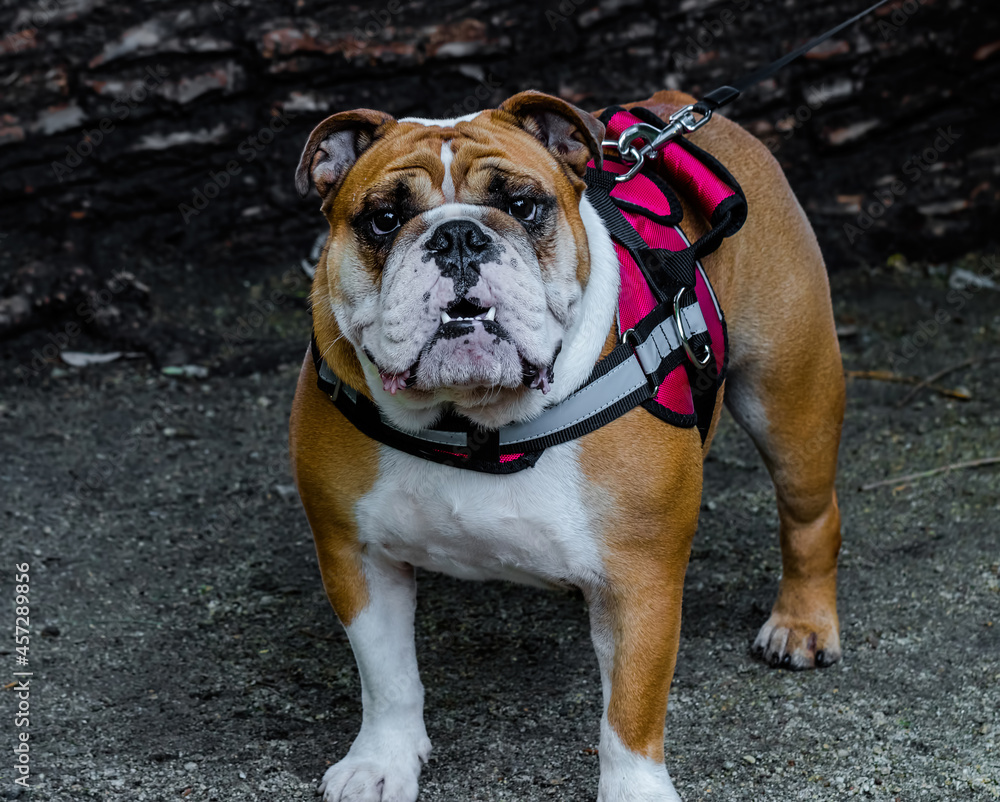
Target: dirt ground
<point x="182" y="647"/>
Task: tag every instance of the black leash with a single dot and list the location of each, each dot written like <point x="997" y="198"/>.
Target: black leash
<point x="641" y="141"/>
<point x="724" y="95"/>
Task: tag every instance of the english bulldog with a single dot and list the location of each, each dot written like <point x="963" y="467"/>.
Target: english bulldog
<point x="482" y="221"/>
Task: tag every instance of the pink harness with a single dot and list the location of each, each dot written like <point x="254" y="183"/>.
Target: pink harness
<point x="651" y="208"/>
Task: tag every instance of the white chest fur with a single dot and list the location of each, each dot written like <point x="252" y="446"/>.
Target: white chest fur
<point x="534" y="526"/>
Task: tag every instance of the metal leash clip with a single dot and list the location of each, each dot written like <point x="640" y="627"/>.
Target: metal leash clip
<point x="682" y="121"/>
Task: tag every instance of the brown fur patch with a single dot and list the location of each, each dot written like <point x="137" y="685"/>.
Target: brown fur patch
<point x="334" y="465"/>
<point x="655" y="488"/>
<point x="493" y="139"/>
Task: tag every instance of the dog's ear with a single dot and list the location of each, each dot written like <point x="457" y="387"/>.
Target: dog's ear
<point x="570" y="134"/>
<point x="334" y="147"/>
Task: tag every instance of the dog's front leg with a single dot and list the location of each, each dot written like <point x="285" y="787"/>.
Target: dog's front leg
<point x="385" y="759"/>
<point x="635" y="631"/>
<point x="635" y="606"/>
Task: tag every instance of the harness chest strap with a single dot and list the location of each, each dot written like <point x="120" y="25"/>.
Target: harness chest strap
<point x="621" y="384"/>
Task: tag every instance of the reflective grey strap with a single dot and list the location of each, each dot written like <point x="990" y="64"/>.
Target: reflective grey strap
<point x="665" y="338"/>
<point x="330" y="377"/>
<point x="694" y="320"/>
<point x="620" y="381"/>
<point x="616" y="384"/>
<point x="441" y="438"/>
<point x="593" y="398"/>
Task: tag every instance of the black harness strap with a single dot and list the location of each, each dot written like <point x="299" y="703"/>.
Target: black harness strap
<point x="599" y="186"/>
<point x="469" y="447"/>
<point x="627" y="377"/>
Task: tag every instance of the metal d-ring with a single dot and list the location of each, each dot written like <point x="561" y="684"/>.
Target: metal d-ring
<point x="679" y="323"/>
<point x="630" y="154"/>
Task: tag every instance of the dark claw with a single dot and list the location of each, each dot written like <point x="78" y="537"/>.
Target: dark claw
<point x="757" y="651"/>
<point x="786" y="661"/>
<point x="774" y="660"/>
<point x="821" y="658"/>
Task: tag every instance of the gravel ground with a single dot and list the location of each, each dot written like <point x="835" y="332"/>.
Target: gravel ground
<point x="182" y="647"/>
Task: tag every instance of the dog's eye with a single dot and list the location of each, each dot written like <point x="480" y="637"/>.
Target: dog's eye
<point x="384" y="222"/>
<point x="523" y="209"/>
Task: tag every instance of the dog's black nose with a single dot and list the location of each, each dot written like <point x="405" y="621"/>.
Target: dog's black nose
<point x="456" y="236"/>
<point x="459" y="247"/>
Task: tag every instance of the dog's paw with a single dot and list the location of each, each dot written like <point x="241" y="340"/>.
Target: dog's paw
<point x="797" y="642"/>
<point x="629" y="777"/>
<point x="373" y="772"/>
<point x="640" y="789"/>
<point x="359" y="780"/>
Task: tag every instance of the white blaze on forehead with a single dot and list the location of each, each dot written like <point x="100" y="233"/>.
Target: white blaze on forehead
<point x="443" y="123"/>
<point x="447" y="184"/>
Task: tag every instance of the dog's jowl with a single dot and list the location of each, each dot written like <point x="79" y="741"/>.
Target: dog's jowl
<point x="517" y="366"/>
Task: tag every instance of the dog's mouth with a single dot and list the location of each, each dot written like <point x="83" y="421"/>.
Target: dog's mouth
<point x="469" y="350"/>
<point x="535" y="377"/>
<point x="465" y="310"/>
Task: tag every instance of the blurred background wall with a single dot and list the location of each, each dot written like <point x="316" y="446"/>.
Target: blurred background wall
<point x="160" y="138"/>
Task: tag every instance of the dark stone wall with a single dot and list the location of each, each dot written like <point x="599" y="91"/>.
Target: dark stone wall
<point x="118" y="121"/>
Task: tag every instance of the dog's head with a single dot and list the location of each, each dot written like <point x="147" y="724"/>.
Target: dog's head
<point x="457" y="255"/>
